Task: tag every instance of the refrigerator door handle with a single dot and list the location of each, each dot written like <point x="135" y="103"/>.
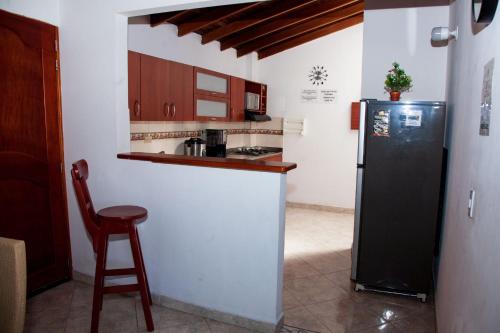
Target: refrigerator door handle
<point x="361" y="133"/>
<point x="357" y="222"/>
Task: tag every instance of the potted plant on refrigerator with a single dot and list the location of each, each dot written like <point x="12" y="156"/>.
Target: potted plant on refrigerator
<point x="397" y="81"/>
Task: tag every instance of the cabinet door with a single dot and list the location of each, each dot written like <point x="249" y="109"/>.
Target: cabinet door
<point x="155" y="90"/>
<point x="208" y="108"/>
<point x="237" y="99"/>
<point x="211" y="83"/>
<point x="181" y="92"/>
<point x="263" y="99"/>
<point x="134" y="85"/>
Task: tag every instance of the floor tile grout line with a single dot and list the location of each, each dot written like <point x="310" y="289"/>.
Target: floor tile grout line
<point x="319" y="320"/>
<point x="310" y="312"/>
<point x="136" y="316"/>
<point x="208" y="325"/>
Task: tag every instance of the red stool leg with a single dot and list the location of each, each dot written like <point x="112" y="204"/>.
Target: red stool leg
<point x="144" y="268"/>
<point x="141" y="276"/>
<point x="98" y="282"/>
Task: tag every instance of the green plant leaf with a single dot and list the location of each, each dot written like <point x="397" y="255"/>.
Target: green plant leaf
<point x="397" y="79"/>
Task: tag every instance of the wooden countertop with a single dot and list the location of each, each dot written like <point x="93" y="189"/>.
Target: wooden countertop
<point x="211" y="162"/>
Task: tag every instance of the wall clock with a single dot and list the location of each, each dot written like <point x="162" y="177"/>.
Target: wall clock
<point x="483" y="11"/>
<point x="318" y="75"/>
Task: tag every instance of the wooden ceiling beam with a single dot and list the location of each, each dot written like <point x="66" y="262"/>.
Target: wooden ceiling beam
<point x="309" y="36"/>
<point x="301" y="28"/>
<point x="294" y="17"/>
<point x="160" y="18"/>
<point x="269" y="10"/>
<point x="212" y="16"/>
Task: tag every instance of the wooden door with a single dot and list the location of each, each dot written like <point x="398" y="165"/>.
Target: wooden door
<point x="181" y="91"/>
<point x="134" y="85"/>
<point x="32" y="186"/>
<point x="237" y="99"/>
<point x="155" y="91"/>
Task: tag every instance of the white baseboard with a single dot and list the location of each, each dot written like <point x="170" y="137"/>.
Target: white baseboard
<point x="224" y="317"/>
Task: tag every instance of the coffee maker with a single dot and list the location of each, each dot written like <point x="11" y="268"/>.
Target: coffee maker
<point x="216" y="140"/>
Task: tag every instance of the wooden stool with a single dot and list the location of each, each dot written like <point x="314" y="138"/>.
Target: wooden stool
<point x="110" y="221"/>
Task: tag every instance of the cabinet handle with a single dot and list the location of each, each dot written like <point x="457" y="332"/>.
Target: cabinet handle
<point x="137" y="109"/>
<point x="174" y="111"/>
<point x="166" y="112"/>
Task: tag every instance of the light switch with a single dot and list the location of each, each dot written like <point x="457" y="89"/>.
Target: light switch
<point x="472" y="199"/>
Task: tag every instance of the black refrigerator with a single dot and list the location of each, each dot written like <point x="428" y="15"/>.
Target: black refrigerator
<point x="399" y="170"/>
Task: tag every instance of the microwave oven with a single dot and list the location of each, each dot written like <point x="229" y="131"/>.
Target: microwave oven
<point x="252" y="101"/>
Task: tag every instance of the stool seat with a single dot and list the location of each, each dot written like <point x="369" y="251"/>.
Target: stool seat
<point x="124" y="213"/>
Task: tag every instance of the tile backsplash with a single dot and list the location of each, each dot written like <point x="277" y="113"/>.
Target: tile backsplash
<point x="153" y="137"/>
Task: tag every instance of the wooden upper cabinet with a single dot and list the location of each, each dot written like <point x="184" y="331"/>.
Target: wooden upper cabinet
<point x="164" y="90"/>
<point x="211" y="83"/>
<point x="155" y="90"/>
<point x="181" y="92"/>
<point x="134" y="85"/>
<point x="212" y="93"/>
<point x="237" y="99"/>
<point x="159" y="89"/>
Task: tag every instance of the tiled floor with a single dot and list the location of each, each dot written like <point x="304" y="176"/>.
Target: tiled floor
<point x="318" y="294"/>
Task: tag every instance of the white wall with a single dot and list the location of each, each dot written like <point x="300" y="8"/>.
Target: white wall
<point x="326" y="155"/>
<point x="163" y="42"/>
<point x="195" y="253"/>
<point x="403" y="35"/>
<point x="468" y="293"/>
<point x="46" y="11"/>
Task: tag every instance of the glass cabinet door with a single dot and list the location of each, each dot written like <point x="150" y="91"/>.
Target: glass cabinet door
<point x="211" y="108"/>
<point x="211" y="83"/>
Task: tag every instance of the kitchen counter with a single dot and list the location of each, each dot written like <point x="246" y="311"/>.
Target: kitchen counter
<point x="236" y="218"/>
<point x="240" y="162"/>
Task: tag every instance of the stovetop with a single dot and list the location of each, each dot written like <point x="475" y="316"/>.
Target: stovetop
<point x="254" y="151"/>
